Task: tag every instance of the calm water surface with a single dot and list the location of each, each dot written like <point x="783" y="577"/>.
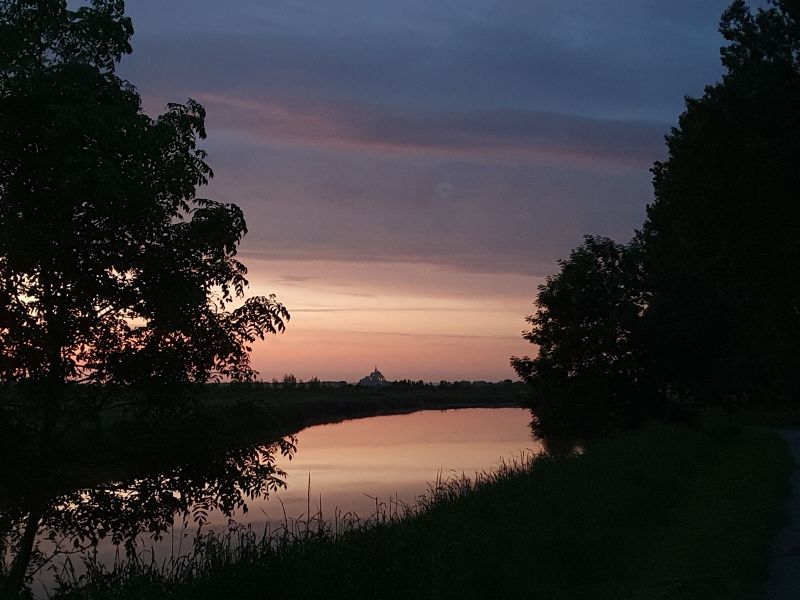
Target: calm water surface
<point x="341" y="467"/>
<point x="392" y="456"/>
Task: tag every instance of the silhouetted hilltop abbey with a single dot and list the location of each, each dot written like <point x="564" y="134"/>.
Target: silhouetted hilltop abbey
<point x="375" y="378"/>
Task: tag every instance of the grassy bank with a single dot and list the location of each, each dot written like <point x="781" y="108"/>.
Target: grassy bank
<point x="660" y="513"/>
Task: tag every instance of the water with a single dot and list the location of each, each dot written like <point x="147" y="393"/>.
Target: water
<point x="350" y="463"/>
<point x="348" y="467"/>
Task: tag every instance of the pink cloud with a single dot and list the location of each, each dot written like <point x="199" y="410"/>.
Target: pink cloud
<point x="498" y="135"/>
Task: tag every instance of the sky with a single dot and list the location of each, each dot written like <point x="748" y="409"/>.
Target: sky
<point x="411" y="171"/>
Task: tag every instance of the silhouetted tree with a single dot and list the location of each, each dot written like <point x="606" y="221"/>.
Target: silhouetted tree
<point x="704" y="305"/>
<point x="40" y="522"/>
<point x="289" y="381"/>
<point x="112" y="270"/>
<point x="587" y="374"/>
<point x="722" y="238"/>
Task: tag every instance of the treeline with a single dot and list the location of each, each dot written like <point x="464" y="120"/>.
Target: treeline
<point x="702" y="306"/>
<point x="290" y="382"/>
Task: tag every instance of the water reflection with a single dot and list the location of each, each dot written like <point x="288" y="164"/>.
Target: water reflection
<point x="351" y="463"/>
<point x="347" y="466"/>
<point x="39" y="524"/>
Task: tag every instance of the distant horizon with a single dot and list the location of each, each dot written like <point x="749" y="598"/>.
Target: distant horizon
<point x="261" y="379"/>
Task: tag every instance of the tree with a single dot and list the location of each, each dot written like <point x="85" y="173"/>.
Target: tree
<point x="112" y="270"/>
<point x="42" y="519"/>
<point x="587" y="375"/>
<point x="704" y="304"/>
<point x="722" y="237"/>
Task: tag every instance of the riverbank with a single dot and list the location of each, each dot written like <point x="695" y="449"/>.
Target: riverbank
<point x="215" y="419"/>
<point x="662" y="512"/>
<point x="284" y="412"/>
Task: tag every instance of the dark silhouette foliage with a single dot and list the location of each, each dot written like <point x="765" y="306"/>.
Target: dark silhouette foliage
<point x="112" y="269"/>
<point x="114" y="274"/>
<point x="44" y="520"/>
<point x="706" y="308"/>
<point x="587" y="374"/>
<point x="722" y="237"/>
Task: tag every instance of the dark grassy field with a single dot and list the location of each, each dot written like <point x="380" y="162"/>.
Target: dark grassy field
<point x="660" y="513"/>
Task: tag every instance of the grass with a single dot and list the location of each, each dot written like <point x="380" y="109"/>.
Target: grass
<point x="664" y="512"/>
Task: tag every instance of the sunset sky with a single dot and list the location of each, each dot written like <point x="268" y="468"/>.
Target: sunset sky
<point x="411" y="171"/>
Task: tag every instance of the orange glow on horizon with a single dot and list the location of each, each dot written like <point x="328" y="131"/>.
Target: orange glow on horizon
<point x="413" y="321"/>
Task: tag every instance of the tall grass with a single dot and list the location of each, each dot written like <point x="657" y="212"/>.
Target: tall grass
<point x="242" y="546"/>
<point x="660" y="513"/>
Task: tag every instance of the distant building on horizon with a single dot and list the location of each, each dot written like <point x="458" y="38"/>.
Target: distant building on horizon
<point x="375" y="378"/>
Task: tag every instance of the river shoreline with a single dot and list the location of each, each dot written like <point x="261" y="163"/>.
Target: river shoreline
<point x="218" y="419"/>
<point x="636" y="516"/>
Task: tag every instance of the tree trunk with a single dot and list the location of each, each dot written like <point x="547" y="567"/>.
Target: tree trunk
<point x="15" y="581"/>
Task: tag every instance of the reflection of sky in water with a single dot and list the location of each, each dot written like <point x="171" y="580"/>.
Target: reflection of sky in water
<point x="351" y="463"/>
<point x="391" y="456"/>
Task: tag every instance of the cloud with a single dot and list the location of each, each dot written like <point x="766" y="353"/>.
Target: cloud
<point x="497" y="217"/>
<point x="507" y="191"/>
<point x="438" y="335"/>
<point x="383" y="309"/>
<point x="420" y="153"/>
<point x="486" y="137"/>
<point x="483" y="135"/>
<point x="608" y="59"/>
<point x="294" y="279"/>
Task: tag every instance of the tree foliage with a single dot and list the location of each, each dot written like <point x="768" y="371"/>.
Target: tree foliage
<point x="586" y="325"/>
<point x="112" y="269"/>
<point x="722" y="237"/>
<point x="706" y="308"/>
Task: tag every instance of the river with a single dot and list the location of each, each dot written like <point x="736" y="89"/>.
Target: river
<point x="349" y="468"/>
<point x="349" y="464"/>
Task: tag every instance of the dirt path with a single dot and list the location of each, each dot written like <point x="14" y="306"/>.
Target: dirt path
<point x="784" y="576"/>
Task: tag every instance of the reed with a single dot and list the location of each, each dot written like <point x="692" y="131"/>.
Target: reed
<point x="663" y="512"/>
